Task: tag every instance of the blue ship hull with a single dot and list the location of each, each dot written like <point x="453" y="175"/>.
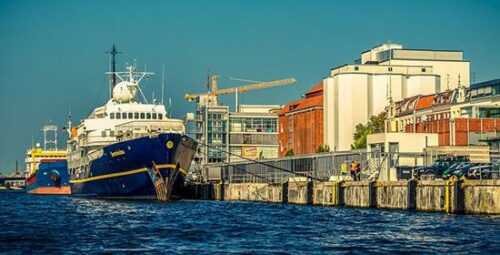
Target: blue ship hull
<point x="51" y="178"/>
<point x="131" y="168"/>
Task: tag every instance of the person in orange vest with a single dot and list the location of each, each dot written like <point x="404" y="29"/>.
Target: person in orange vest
<point x="353" y="170"/>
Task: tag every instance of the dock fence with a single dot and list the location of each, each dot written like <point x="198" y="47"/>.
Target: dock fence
<point x="316" y="167"/>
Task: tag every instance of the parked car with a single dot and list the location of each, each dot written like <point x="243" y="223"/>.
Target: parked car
<point x="440" y="166"/>
<point x="483" y="171"/>
<point x="458" y="169"/>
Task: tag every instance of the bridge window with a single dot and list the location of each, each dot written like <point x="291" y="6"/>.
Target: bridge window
<point x="124" y="115"/>
<point x="118" y="116"/>
<point x="130" y="115"/>
<point x="143" y="115"/>
<point x="154" y="116"/>
<point x="136" y="115"/>
<point x="160" y="116"/>
<point x="148" y="116"/>
<point x="112" y="115"/>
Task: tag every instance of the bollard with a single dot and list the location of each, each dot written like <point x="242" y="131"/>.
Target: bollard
<point x="411" y="200"/>
<point x="372" y="195"/>
<point x="337" y="193"/>
<point x="284" y="193"/>
<point x="310" y="192"/>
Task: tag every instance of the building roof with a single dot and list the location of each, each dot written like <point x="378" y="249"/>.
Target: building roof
<point x="406" y="105"/>
<point x="312" y="98"/>
<point x="316" y="90"/>
<point x="424" y="102"/>
<point x="485" y="84"/>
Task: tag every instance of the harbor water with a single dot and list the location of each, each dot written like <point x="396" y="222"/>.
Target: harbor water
<point x="57" y="224"/>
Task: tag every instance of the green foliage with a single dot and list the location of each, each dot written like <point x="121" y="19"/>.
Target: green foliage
<point x="289" y="153"/>
<point x="375" y="125"/>
<point x="323" y="148"/>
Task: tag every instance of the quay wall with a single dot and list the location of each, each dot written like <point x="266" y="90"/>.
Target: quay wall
<point x="449" y="196"/>
<point x="430" y="196"/>
<point x="481" y="196"/>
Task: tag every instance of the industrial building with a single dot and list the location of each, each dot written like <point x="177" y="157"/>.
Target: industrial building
<point x="352" y="93"/>
<point x="355" y="92"/>
<point x="253" y="132"/>
<point x="250" y="132"/>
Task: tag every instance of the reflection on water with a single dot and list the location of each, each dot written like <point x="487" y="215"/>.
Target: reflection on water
<point x="75" y="225"/>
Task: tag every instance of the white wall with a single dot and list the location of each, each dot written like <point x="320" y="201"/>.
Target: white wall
<point x="352" y="98"/>
<point x="421" y="85"/>
<point x="408" y="142"/>
<point x="442" y="68"/>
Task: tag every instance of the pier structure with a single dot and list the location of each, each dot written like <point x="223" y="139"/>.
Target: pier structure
<point x="455" y="196"/>
<point x="318" y="180"/>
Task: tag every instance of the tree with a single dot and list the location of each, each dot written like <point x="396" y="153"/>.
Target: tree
<point x="323" y="148"/>
<point x="375" y="125"/>
<point x="289" y="153"/>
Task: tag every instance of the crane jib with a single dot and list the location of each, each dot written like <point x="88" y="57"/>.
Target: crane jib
<point x="243" y="89"/>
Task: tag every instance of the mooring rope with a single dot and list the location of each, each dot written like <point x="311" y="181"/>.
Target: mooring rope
<point x="259" y="162"/>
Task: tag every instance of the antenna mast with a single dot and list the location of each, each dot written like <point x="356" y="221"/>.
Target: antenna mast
<point x="50" y="137"/>
<point x="113" y="52"/>
<point x="162" y="83"/>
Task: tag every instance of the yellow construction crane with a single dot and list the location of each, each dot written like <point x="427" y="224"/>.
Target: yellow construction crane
<point x="210" y="98"/>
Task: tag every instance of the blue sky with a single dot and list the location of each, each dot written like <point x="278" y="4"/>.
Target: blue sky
<point x="52" y="52"/>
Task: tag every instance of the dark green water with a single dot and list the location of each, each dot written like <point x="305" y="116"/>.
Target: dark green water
<point x="65" y="225"/>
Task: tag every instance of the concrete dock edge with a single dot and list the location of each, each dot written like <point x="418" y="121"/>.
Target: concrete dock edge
<point x="450" y="196"/>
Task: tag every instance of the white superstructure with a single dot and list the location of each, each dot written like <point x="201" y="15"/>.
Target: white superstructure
<point x="122" y="118"/>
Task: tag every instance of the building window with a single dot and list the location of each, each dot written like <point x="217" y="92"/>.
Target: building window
<point x="154" y="116"/>
<point x="112" y="115"/>
<point x="118" y="116"/>
<point x="148" y="116"/>
<point x="160" y="116"/>
<point x="124" y="115"/>
<point x="130" y="115"/>
<point x="136" y="115"/>
<point x="143" y="115"/>
<point x="356" y="68"/>
<point x="423" y="70"/>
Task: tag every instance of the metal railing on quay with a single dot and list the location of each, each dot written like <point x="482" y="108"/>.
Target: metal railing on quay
<point x="329" y="166"/>
<point x="315" y="167"/>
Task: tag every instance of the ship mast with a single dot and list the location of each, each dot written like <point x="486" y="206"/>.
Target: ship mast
<point x="113" y="52"/>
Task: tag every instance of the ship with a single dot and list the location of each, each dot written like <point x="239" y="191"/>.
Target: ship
<point x="129" y="148"/>
<point x="46" y="168"/>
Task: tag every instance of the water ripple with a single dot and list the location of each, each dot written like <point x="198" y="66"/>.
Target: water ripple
<point x="38" y="224"/>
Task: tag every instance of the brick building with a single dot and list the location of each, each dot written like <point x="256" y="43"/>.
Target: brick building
<point x="301" y="123"/>
<point x="460" y="117"/>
